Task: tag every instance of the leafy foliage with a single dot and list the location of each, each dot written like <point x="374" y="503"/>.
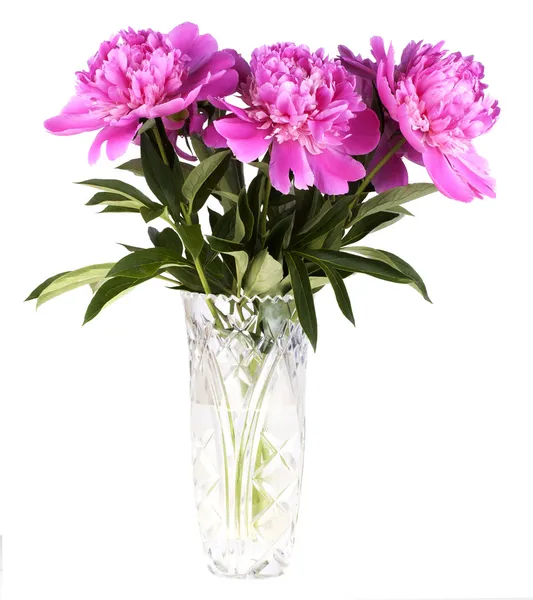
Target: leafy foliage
<point x="261" y="243"/>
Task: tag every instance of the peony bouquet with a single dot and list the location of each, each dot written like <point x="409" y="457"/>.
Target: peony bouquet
<point x="323" y="139"/>
<point x="264" y="177"/>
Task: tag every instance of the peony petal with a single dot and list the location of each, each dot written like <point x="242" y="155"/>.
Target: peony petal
<point x="213" y="139"/>
<point x="290" y="156"/>
<point x="201" y="50"/>
<point x="392" y="174"/>
<point x="445" y="177"/>
<point x="118" y="139"/>
<point x="236" y="110"/>
<point x="385" y="92"/>
<point x="280" y="166"/>
<point x="218" y="63"/>
<point x="414" y="137"/>
<point x="364" y="130"/>
<point x="245" y="139"/>
<point x="183" y="36"/>
<point x="72" y="124"/>
<point x="174" y="106"/>
<point x="333" y="170"/>
<point x="483" y="185"/>
<point x="224" y="86"/>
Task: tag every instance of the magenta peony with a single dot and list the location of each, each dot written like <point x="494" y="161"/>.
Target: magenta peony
<point x="394" y="172"/>
<point x="304" y="107"/>
<point x="438" y="100"/>
<point x="142" y="75"/>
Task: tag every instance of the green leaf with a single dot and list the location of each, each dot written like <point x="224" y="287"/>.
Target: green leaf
<point x="245" y="216"/>
<point x="203" y="178"/>
<point x="280" y="236"/>
<point x="164" y="181"/>
<point x="344" y="261"/>
<point x="396" y="262"/>
<point x="167" y="238"/>
<point x="264" y="273"/>
<point x="393" y="198"/>
<point x="192" y="238"/>
<point x="262" y="166"/>
<point x="303" y="296"/>
<point x="121" y="188"/>
<point x="146" y="126"/>
<point x="37" y="291"/>
<point x="146" y="263"/>
<point x="119" y="209"/>
<point x="368" y="224"/>
<point x="233" y="198"/>
<point x="149" y="214"/>
<point x="130" y="248"/>
<point x="133" y="166"/>
<point x="224" y="246"/>
<point x="72" y="280"/>
<point x="241" y="264"/>
<point x="240" y="228"/>
<point x="323" y="223"/>
<point x="112" y="199"/>
<point x="109" y="291"/>
<point x="339" y="288"/>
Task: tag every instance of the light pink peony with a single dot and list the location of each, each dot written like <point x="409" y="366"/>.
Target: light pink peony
<point x="302" y="106"/>
<point x="144" y="74"/>
<point x="439" y="102"/>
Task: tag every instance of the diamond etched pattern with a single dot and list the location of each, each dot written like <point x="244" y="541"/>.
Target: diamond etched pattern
<point x="248" y="430"/>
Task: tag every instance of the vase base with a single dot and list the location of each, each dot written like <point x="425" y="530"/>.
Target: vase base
<point x="264" y="571"/>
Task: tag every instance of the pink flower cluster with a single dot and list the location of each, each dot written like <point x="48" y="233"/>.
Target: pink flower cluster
<point x="437" y="102"/>
<point x="303" y="107"/>
<point x="308" y="115"/>
<point x="142" y="75"/>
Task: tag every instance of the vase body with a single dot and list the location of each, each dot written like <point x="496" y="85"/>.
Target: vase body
<point x="247" y="372"/>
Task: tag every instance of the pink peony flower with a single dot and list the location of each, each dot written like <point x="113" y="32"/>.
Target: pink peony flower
<point x="439" y="102"/>
<point x="144" y="74"/>
<point x="304" y="108"/>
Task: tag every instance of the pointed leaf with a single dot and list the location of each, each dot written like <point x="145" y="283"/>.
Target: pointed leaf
<point x="344" y="261"/>
<point x="39" y="289"/>
<point x="397" y="263"/>
<point x="109" y="291"/>
<point x="164" y="181"/>
<point x="303" y="296"/>
<point x="393" y="198"/>
<point x="339" y="288"/>
<point x="192" y="238"/>
<point x="203" y="178"/>
<point x="120" y="187"/>
<point x="72" y="280"/>
<point x="146" y="263"/>
<point x="367" y="224"/>
<point x="133" y="166"/>
<point x="264" y="273"/>
<point x="245" y="216"/>
<point x="321" y="225"/>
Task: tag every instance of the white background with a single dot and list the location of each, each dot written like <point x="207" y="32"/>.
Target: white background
<point x="419" y="466"/>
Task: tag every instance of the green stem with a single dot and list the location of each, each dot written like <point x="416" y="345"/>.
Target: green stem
<point x="366" y="181"/>
<point x="205" y="283"/>
<point x="381" y="163"/>
<point x="160" y="145"/>
<point x="265" y="209"/>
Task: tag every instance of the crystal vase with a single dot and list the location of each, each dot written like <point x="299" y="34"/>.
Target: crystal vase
<point x="247" y="366"/>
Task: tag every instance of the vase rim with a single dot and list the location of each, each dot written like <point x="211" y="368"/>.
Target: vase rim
<point x="225" y="297"/>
